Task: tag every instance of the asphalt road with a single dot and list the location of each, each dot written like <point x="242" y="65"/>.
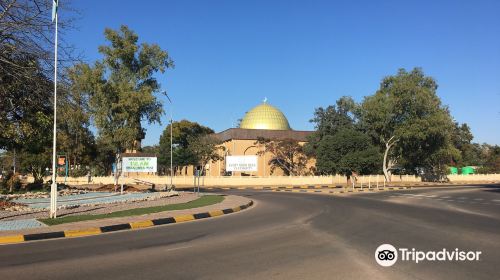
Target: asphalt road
<point x="286" y="236"/>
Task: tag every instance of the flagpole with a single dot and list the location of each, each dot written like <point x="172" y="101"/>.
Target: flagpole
<point x="53" y="187"/>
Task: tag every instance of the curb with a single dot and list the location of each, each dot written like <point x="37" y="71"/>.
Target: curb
<point x="337" y="187"/>
<point x="120" y="227"/>
<point x="342" y="191"/>
<point x="306" y="187"/>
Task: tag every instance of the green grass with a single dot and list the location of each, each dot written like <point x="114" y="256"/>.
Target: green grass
<point x="200" y="202"/>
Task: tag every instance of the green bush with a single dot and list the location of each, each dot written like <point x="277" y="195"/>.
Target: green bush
<point x="36" y="186"/>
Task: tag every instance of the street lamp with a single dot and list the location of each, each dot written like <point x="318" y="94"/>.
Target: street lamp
<point x="171" y="143"/>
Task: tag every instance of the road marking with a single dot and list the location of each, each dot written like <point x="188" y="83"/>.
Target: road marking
<point x="478" y="199"/>
<point x="446" y="197"/>
<point x="178" y="248"/>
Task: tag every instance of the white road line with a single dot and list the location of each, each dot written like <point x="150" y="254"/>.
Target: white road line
<point x="446" y="197"/>
<point x="478" y="199"/>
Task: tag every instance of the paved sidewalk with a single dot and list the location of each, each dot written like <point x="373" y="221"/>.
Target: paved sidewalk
<point x="20" y="224"/>
<point x="230" y="201"/>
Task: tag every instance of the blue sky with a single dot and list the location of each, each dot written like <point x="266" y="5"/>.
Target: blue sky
<point x="230" y="55"/>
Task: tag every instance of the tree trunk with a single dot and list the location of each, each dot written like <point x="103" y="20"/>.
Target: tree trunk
<point x="117" y="159"/>
<point x="387" y="164"/>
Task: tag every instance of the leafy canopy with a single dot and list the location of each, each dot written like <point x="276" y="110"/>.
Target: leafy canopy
<point x="345" y="152"/>
<point x="122" y="87"/>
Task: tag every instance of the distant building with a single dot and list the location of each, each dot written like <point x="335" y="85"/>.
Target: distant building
<point x="263" y="121"/>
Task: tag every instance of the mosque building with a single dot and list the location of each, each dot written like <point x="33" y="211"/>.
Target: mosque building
<point x="261" y="122"/>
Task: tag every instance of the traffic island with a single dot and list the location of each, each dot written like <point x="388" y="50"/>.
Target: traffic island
<point x="230" y="204"/>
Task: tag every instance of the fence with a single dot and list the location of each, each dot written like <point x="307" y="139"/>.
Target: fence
<point x="272" y="180"/>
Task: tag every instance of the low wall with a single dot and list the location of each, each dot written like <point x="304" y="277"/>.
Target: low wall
<point x="270" y="180"/>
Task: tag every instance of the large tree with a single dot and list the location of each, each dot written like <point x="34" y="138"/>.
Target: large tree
<point x="346" y="152"/>
<point x="330" y="120"/>
<point x="406" y="118"/>
<point x="286" y="154"/>
<point x="205" y="149"/>
<point x="122" y="88"/>
<point x="74" y="136"/>
<point x="182" y="155"/>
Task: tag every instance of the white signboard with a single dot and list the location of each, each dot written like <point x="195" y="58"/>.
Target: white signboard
<point x="139" y="164"/>
<point x="241" y="163"/>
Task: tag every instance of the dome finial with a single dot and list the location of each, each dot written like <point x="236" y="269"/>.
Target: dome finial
<point x="265" y="100"/>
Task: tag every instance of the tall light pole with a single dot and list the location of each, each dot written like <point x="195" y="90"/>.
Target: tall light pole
<point x="53" y="187"/>
<point x="171" y="143"/>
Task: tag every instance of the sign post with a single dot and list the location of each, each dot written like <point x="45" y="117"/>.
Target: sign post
<point x="62" y="161"/>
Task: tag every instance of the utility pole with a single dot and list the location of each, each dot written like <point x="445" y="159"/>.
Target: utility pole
<point x="171" y="143"/>
<point x="53" y="187"/>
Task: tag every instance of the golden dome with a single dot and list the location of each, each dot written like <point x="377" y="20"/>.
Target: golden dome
<point x="265" y="116"/>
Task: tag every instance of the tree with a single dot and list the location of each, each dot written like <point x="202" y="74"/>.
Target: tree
<point x="286" y="154"/>
<point x="407" y="120"/>
<point x="205" y="148"/>
<point x="25" y="108"/>
<point x="27" y="31"/>
<point x="182" y="155"/>
<point x="121" y="88"/>
<point x="75" y="139"/>
<point x="330" y="120"/>
<point x="462" y="141"/>
<point x="491" y="162"/>
<point x="346" y="152"/>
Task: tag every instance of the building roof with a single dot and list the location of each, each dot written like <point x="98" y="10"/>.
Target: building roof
<point x="265" y="116"/>
<point x="254" y="134"/>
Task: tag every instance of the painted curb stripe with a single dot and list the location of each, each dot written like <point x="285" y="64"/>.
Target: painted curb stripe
<point x="227" y="211"/>
<point x="141" y="224"/>
<point x="164" y="221"/>
<point x="41" y="236"/>
<point x="11" y="239"/>
<point x="82" y="232"/>
<point x="183" y="218"/>
<point x="201" y="215"/>
<point x="115" y="228"/>
<point x="216" y="213"/>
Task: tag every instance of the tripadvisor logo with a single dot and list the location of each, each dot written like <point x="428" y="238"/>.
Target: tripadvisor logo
<point x="387" y="255"/>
